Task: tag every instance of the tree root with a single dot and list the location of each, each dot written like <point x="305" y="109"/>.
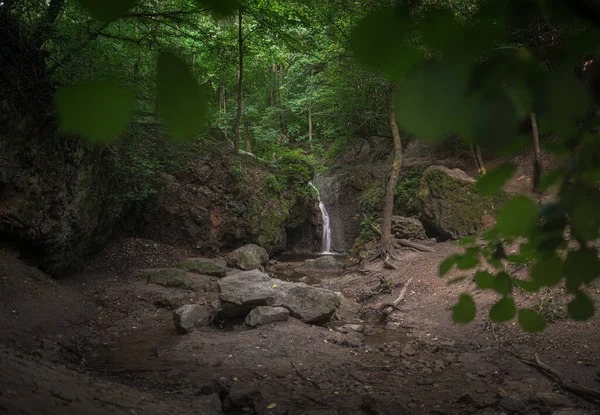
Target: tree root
<point x="588" y="394"/>
<point x="414" y="245"/>
<point x="394" y="305"/>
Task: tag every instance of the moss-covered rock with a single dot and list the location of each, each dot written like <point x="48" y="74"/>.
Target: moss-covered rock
<point x="248" y="257"/>
<point x="168" y="277"/>
<point x="448" y="203"/>
<point x="407" y="228"/>
<point x="204" y="266"/>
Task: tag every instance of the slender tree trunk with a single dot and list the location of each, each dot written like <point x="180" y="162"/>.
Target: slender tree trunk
<point x="247" y="134"/>
<point x="386" y="244"/>
<point x="310" y="125"/>
<point x="476" y="152"/>
<point x="272" y="117"/>
<point x="537" y="165"/>
<point x="240" y="109"/>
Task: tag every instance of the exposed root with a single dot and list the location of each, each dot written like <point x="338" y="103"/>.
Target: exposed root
<point x="414" y="245"/>
<point x="394" y="305"/>
<point x="588" y="394"/>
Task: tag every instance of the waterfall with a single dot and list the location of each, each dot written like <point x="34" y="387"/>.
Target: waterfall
<point x="326" y="239"/>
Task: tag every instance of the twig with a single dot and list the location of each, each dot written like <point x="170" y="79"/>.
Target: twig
<point x="588" y="394"/>
<point x="395" y="303"/>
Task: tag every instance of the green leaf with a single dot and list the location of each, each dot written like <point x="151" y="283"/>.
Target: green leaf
<point x="494" y="180"/>
<point x="581" y="266"/>
<point x="484" y="280"/>
<point x="550" y="178"/>
<point x="517" y="216"/>
<point x="547" y="271"/>
<point x="531" y="321"/>
<point x="503" y="283"/>
<point x="467" y="240"/>
<point x="582" y="307"/>
<point x="503" y="310"/>
<point x="181" y="101"/>
<point x="421" y="109"/>
<point x="107" y="10"/>
<point x="469" y="260"/>
<point x="446" y="265"/>
<point x="464" y="311"/>
<point x="98" y="110"/>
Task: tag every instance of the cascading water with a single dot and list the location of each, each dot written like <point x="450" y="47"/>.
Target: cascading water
<point x="326" y="240"/>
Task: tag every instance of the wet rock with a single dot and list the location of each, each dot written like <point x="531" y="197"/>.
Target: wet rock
<point x="206" y="266"/>
<point x="242" y="292"/>
<point x="266" y="315"/>
<point x="204" y="284"/>
<point x="244" y="399"/>
<point x="348" y="328"/>
<point x="552" y="399"/>
<point x="513" y="403"/>
<point x="210" y="404"/>
<point x="448" y="203"/>
<point x="189" y="316"/>
<point x="324" y="263"/>
<point x="168" y="277"/>
<point x="248" y="257"/>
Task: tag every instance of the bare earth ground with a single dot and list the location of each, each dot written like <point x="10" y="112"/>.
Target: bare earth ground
<point x="100" y="342"/>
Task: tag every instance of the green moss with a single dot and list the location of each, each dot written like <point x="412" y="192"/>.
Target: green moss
<point x="447" y="201"/>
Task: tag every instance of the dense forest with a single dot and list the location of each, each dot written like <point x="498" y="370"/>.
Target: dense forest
<point x="246" y="206"/>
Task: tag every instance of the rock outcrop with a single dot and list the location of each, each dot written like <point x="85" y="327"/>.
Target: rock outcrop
<point x="266" y="315"/>
<point x="248" y="257"/>
<point x="242" y="292"/>
<point x="324" y="263"/>
<point x="449" y="204"/>
<point x="206" y="266"/>
<point x="408" y="228"/>
<point x="189" y="316"/>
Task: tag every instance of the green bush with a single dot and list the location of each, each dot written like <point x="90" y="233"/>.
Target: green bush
<point x="405" y="201"/>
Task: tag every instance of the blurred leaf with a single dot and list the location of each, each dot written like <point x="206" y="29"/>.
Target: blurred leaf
<point x="378" y="41"/>
<point x="484" y="280"/>
<point x="464" y="311"/>
<point x="503" y="283"/>
<point x="531" y="321"/>
<point x="550" y="178"/>
<point x="547" y="271"/>
<point x="582" y="307"/>
<point x="107" y="10"/>
<point x="181" y="101"/>
<point x="503" y="310"/>
<point x="517" y="216"/>
<point x="528" y="286"/>
<point x="469" y="260"/>
<point x="421" y="109"/>
<point x="446" y="265"/>
<point x="99" y="110"/>
<point x="467" y="240"/>
<point x="495" y="179"/>
<point x="581" y="266"/>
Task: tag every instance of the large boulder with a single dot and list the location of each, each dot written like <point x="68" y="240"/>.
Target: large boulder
<point x="327" y="262"/>
<point x="168" y="277"/>
<point x="242" y="292"/>
<point x="448" y="203"/>
<point x="408" y="228"/>
<point x="248" y="257"/>
<point x="189" y="316"/>
<point x="204" y="266"/>
<point x="266" y="315"/>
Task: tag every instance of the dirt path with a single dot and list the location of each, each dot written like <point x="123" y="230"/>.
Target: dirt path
<point x="101" y="343"/>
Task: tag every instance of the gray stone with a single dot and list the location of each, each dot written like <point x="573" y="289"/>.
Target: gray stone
<point x="168" y="277"/>
<point x="248" y="257"/>
<point x="176" y="300"/>
<point x="409" y="350"/>
<point x="513" y="403"/>
<point x="353" y="339"/>
<point x="266" y="315"/>
<point x="189" y="316"/>
<point x="206" y="266"/>
<point x="242" y="292"/>
<point x="326" y="262"/>
<point x="209" y="404"/>
<point x="348" y="328"/>
<point x="407" y="228"/>
<point x="570" y="411"/>
<point x="449" y="203"/>
<point x="552" y="399"/>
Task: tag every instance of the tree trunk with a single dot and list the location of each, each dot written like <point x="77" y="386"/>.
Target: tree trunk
<point x="247" y="134"/>
<point x="537" y="165"/>
<point x="386" y="245"/>
<point x="240" y="109"/>
<point x="476" y="152"/>
<point x="310" y="126"/>
<point x="272" y="96"/>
